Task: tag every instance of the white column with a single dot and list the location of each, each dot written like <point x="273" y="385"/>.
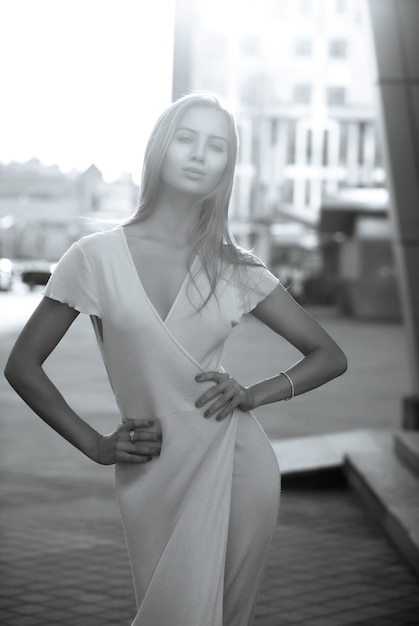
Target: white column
<point x="300" y="160"/>
<point x="369" y="154"/>
<point x="334" y="139"/>
<point x="352" y="154"/>
<point x="394" y="29"/>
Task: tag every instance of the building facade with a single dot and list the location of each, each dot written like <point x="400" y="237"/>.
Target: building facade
<point x="43" y="210"/>
<point x="298" y="74"/>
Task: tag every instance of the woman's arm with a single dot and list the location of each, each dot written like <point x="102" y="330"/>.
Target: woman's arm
<point x="46" y="327"/>
<point x="322" y="360"/>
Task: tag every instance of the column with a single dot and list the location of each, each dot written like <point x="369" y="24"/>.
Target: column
<point x="395" y="26"/>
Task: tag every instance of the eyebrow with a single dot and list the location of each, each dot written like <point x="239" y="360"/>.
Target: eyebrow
<point x="191" y="130"/>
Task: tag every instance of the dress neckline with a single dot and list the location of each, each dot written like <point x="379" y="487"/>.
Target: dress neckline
<point x="164" y="319"/>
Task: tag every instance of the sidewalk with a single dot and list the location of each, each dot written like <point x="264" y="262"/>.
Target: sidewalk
<point x="63" y="558"/>
<point x="64" y="561"/>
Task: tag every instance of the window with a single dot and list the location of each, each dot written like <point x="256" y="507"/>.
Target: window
<point x="302" y="94"/>
<point x="338" y="48"/>
<point x="303" y="47"/>
<point x="336" y="96"/>
<point x="287" y="191"/>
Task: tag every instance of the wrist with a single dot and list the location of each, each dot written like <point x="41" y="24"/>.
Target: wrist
<point x="251" y="401"/>
<point x="91" y="446"/>
<point x="270" y="390"/>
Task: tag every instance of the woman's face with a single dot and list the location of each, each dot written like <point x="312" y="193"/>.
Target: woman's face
<point x="197" y="156"/>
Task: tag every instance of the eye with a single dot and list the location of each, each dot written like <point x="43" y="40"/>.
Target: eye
<point x="216" y="147"/>
<point x="185" y="138"/>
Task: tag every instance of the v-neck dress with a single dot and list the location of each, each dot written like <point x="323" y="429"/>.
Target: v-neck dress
<point x="198" y="520"/>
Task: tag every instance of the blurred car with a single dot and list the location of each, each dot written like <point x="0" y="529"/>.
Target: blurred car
<point x="6" y="274"/>
<point x="36" y="273"/>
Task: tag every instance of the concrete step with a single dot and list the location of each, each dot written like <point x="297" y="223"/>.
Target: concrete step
<point x="322" y="453"/>
<point x="390" y="492"/>
<point x="406" y="444"/>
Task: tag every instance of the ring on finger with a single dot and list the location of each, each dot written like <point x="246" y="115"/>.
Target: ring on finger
<point x="131" y="436"/>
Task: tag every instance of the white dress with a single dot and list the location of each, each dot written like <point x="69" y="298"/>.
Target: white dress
<point x="198" y="520"/>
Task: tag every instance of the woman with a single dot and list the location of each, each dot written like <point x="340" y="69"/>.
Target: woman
<point x="197" y="480"/>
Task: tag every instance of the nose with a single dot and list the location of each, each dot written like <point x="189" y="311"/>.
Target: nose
<point x="198" y="153"/>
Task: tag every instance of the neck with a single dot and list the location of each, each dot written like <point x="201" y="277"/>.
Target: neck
<point x="174" y="215"/>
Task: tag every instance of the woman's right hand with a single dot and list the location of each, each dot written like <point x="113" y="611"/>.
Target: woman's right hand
<point x="134" y="441"/>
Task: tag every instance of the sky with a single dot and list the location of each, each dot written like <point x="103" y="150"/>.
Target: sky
<point x="82" y="81"/>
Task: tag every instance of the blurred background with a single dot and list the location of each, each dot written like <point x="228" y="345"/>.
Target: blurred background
<point x="85" y="81"/>
<point x="326" y="96"/>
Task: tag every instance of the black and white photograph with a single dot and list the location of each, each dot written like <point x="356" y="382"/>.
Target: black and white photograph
<point x="209" y="270"/>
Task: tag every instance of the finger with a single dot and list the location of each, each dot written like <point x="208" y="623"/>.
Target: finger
<point x="229" y="387"/>
<point x="144" y="451"/>
<point x="126" y="457"/>
<point x="212" y="393"/>
<point x="216" y="376"/>
<point x="154" y="450"/>
<point x="140" y="449"/>
<point x="227" y="410"/>
<point x="220" y="404"/>
<point x="137" y="423"/>
<point x="144" y="435"/>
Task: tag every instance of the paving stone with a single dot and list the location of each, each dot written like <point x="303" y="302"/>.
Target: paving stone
<point x="328" y="565"/>
<point x="317" y="609"/>
<point x="30" y="609"/>
<point x="394" y="620"/>
<point x="56" y="615"/>
<point x="25" y="620"/>
<point x="10" y="603"/>
<point x="90" y="621"/>
<point x="37" y="598"/>
<point x="363" y="562"/>
<point x="64" y="602"/>
<point x="382" y="621"/>
<point x="5" y="614"/>
<point x="323" y="621"/>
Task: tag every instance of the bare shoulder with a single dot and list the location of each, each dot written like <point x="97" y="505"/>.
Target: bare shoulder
<point x="98" y="240"/>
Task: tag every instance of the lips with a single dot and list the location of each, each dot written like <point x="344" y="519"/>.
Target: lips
<point x="194" y="170"/>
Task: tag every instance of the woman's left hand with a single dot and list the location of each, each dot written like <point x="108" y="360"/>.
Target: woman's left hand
<point x="229" y="392"/>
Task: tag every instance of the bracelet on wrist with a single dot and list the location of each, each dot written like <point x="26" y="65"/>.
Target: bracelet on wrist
<point x="292" y="385"/>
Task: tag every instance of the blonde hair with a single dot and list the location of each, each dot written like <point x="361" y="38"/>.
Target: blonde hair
<point x="211" y="239"/>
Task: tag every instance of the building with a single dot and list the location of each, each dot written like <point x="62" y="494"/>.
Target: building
<point x="43" y="210"/>
<point x="298" y="74"/>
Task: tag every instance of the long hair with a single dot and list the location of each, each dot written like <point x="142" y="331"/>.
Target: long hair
<point x="211" y="238"/>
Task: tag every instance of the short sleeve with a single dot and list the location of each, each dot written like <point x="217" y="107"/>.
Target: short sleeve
<point x="72" y="282"/>
<point x="256" y="283"/>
